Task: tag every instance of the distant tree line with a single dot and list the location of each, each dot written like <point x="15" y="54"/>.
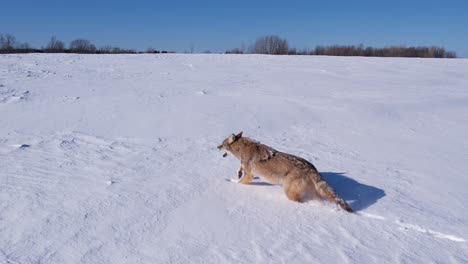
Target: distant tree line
<point x="393" y="51"/>
<point x="275" y="45"/>
<point x="270" y="44"/>
<point x="9" y="44"/>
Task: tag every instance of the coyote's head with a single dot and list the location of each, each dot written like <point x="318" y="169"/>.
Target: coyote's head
<point x="226" y="145"/>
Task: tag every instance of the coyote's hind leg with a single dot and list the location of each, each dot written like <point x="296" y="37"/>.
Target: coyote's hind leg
<point x="292" y="191"/>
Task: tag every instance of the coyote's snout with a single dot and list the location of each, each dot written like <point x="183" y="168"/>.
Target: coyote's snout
<point x="298" y="177"/>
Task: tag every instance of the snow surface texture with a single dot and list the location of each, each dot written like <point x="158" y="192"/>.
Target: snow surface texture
<point x="113" y="159"/>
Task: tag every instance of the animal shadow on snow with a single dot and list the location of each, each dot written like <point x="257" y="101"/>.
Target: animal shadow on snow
<point x="259" y="183"/>
<point x="358" y="195"/>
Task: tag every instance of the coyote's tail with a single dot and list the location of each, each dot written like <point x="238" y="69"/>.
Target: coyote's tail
<point x="327" y="192"/>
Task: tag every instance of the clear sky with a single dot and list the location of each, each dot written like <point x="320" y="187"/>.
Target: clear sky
<point x="220" y="25"/>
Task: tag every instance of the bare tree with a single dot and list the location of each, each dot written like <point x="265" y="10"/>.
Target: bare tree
<point x="283" y="47"/>
<point x="55" y="45"/>
<point x="10" y="41"/>
<point x="82" y="46"/>
<point x="7" y="42"/>
<point x="192" y="48"/>
<point x="260" y="46"/>
<point x="271" y="45"/>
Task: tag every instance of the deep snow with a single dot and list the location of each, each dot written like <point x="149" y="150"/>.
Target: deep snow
<point x="112" y="158"/>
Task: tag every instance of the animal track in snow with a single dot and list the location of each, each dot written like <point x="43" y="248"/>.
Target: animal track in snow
<point x="406" y="226"/>
<point x="11" y="96"/>
<point x="67" y="98"/>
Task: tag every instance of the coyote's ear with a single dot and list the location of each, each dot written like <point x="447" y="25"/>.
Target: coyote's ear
<point x="231" y="138"/>
<point x="239" y="135"/>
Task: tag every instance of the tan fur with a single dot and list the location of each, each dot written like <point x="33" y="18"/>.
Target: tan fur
<point x="298" y="177"/>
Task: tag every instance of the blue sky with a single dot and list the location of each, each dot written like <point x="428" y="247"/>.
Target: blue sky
<point x="220" y="25"/>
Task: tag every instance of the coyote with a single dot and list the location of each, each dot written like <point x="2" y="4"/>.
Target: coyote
<point x="299" y="178"/>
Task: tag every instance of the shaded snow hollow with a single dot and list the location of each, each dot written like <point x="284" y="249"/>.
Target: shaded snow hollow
<point x="112" y="158"/>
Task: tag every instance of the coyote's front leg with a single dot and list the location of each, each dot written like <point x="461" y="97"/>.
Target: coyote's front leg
<point x="247" y="177"/>
<point x="240" y="172"/>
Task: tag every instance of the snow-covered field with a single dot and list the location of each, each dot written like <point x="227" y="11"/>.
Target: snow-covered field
<point x="112" y="158"/>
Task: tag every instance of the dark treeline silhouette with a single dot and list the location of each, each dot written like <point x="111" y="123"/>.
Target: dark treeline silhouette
<point x="275" y="45"/>
<point x="270" y="44"/>
<point x="9" y="44"/>
<point x="235" y="51"/>
<point x="393" y="51"/>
